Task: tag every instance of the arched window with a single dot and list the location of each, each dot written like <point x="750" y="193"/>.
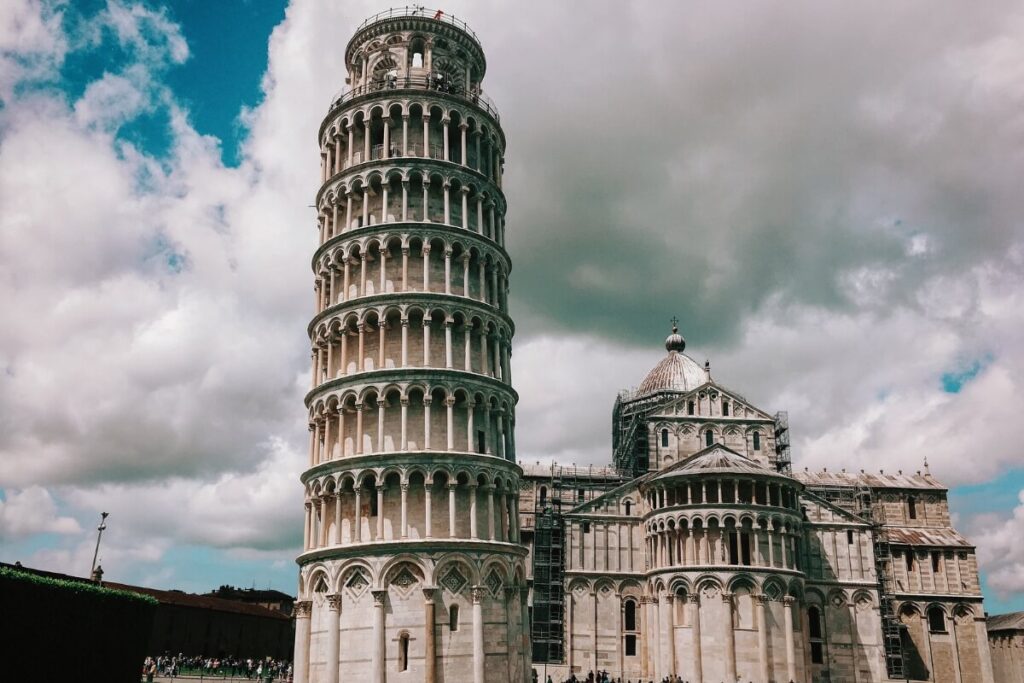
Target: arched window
<point x="814" y="628"/>
<point x="689" y="407"/>
<point x="403" y="652"/>
<point x="664" y="438"/>
<point x="416" y="53"/>
<point x="725" y="408"/>
<point x="629" y="505"/>
<point x="936" y="619"/>
<point x="543" y="495"/>
<point x="453" y="618"/>
<point x="629" y="615"/>
<point x="814" y="622"/>
<point x="757" y="441"/>
<point x="709" y="438"/>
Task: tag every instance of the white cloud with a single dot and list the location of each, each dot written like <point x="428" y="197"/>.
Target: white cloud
<point x="1001" y="549"/>
<point x="838" y="227"/>
<point x="32" y="511"/>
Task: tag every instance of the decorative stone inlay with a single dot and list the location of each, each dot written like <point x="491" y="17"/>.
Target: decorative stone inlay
<point x="454" y="580"/>
<point x="493" y="583"/>
<point x="404" y="580"/>
<point x="357" y="583"/>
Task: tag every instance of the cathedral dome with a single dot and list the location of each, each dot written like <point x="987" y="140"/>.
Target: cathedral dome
<point x="675" y="372"/>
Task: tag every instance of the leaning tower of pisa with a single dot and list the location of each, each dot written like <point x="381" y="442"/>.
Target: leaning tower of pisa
<point x="411" y="567"/>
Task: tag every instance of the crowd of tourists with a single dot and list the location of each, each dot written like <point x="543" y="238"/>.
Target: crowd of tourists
<point x="603" y="677"/>
<point x="173" y="666"/>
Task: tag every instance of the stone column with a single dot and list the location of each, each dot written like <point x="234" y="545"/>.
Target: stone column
<point x="429" y="647"/>
<point x="357" y="531"/>
<point x="490" y="512"/>
<point x="333" y="637"/>
<point x="379" y="599"/>
<point x="762" y="637"/>
<point x="337" y="517"/>
<point x="428" y="488"/>
<point x="380" y="513"/>
<point x="730" y="639"/>
<point x="451" y="509"/>
<point x="303" y="608"/>
<point x="472" y="512"/>
<point x="787" y="609"/>
<point x="426" y="136"/>
<point x="670" y="629"/>
<point x="593" y="629"/>
<point x="405" y="512"/>
<point x="404" y="402"/>
<point x="655" y="621"/>
<point x="698" y="662"/>
<point x="478" y="634"/>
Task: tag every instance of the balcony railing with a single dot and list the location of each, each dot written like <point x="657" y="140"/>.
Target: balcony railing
<point x="418" y="11"/>
<point x="437" y="82"/>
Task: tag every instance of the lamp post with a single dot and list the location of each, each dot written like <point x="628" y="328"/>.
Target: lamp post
<point x="99" y="535"/>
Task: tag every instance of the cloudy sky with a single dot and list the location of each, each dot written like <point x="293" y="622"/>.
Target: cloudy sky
<point x="828" y="196"/>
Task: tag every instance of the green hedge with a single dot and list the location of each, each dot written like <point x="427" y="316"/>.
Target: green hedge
<point x="81" y="587"/>
<point x="59" y="629"/>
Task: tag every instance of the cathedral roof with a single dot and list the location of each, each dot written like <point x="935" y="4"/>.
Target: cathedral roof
<point x="897" y="480"/>
<point x="1014" y="621"/>
<point x="675" y="372"/>
<point x="716" y="459"/>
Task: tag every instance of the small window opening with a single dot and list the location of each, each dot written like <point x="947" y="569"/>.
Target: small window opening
<point x="630" y="615"/>
<point x="757" y="441"/>
<point x="629" y="506"/>
<point x="481" y="441"/>
<point x="816" y="653"/>
<point x="709" y="438"/>
<point x="579" y="494"/>
<point x="725" y="408"/>
<point x="912" y="507"/>
<point x="586" y="527"/>
<point x="936" y="562"/>
<point x="543" y="495"/>
<point x="664" y="438"/>
<point x="373" y="504"/>
<point x="689" y="408"/>
<point x="631" y="646"/>
<point x="814" y="622"/>
<point x="849" y="536"/>
<point x="936" y="620"/>
<point x="453" y="618"/>
<point x="417" y="60"/>
<point x="403" y="652"/>
<point x="910" y="559"/>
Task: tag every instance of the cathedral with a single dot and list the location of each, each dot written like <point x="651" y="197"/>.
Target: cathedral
<point x="429" y="554"/>
<point x="701" y="554"/>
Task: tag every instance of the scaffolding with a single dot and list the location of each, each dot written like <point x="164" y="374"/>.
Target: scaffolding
<point x="783" y="461"/>
<point x="567" y="487"/>
<point x="861" y="501"/>
<point x="630" y="441"/>
<point x="893" y="633"/>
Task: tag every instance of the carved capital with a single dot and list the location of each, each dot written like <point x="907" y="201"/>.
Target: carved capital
<point x="428" y="594"/>
<point x="334" y="602"/>
<point x="379" y="597"/>
<point x="303" y="608"/>
<point x="693" y="598"/>
<point x="478" y="593"/>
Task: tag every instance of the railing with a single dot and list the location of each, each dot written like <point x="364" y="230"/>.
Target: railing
<point x="423" y="12"/>
<point x="436" y="82"/>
